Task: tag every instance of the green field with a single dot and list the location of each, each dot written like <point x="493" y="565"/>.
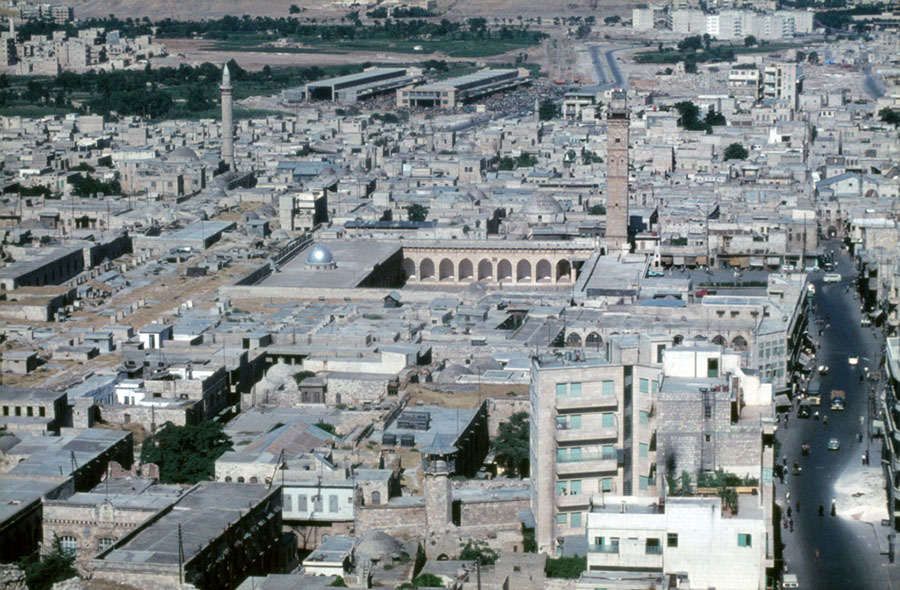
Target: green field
<point x="449" y="47"/>
<point x="33" y="111"/>
<point x="671" y="57"/>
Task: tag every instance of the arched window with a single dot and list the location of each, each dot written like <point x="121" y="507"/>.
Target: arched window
<point x="240" y="480"/>
<point x="227" y="479"/>
<point x="376" y="497"/>
<point x="105" y="543"/>
<point x="254" y="480"/>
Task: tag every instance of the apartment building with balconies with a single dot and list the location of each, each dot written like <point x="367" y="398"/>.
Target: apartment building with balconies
<point x="592" y="431"/>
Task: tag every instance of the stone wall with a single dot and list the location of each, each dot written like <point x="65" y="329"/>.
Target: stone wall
<point x="501" y="408"/>
<point x="147" y="417"/>
<point x="406" y="520"/>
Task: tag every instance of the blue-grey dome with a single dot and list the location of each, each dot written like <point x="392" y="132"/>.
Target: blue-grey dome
<point x="319" y="255"/>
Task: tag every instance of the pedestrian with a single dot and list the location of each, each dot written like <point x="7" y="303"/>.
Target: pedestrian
<point x="791" y="524"/>
<point x="787" y="497"/>
<point x="817" y="555"/>
<point x="789" y="511"/>
<point x="863" y="458"/>
<point x="798" y="506"/>
<point x="821" y="511"/>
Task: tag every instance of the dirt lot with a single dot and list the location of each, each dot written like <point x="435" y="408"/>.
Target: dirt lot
<point x="463" y="399"/>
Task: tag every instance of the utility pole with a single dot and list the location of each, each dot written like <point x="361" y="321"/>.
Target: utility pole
<point x="180" y="557"/>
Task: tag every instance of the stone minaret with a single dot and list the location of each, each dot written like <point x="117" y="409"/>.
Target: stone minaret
<point x="227" y="119"/>
<point x="438" y="462"/>
<point x="617" y="122"/>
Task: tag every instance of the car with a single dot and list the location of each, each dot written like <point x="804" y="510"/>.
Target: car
<point x="655" y="273"/>
<point x="853" y="360"/>
<point x="789" y="582"/>
<point x="834" y="444"/>
<point x="837" y="400"/>
<point x="823" y="369"/>
<point x="803" y="411"/>
<point x="832" y="278"/>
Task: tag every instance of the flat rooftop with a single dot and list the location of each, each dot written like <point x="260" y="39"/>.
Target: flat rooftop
<point x="447" y="422"/>
<point x="16" y="494"/>
<point x="52" y="456"/>
<point x="475" y="77"/>
<point x="204" y="513"/>
<point x="28" y="395"/>
<point x="361" y="77"/>
<point x="199" y="231"/>
<point x="355" y="259"/>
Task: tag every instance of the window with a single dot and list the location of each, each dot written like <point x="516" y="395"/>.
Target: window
<point x="644" y="417"/>
<point x="608" y="389"/>
<point x="654" y="387"/>
<point x="575" y="454"/>
<point x="744" y="540"/>
<point x="561" y="423"/>
<point x="643" y="482"/>
<point x="644" y="449"/>
<point x="660" y="351"/>
<point x="42" y="412"/>
<point x="609" y="420"/>
<point x="575" y="422"/>
<point x="707" y="438"/>
<point x="672" y="540"/>
<point x="376" y="497"/>
<point x="652" y="547"/>
<point x="707" y="411"/>
<point x="288" y="503"/>
<point x="561" y="488"/>
<point x="562" y="455"/>
<point x="240" y="479"/>
<point x="301" y="503"/>
<point x="68" y="545"/>
<point x="609" y="452"/>
<point x="645" y="385"/>
<point x="575" y="520"/>
<point x="6" y="410"/>
<point x="575" y="488"/>
<point x="606" y="484"/>
<point x="560" y="390"/>
<point x="712" y="367"/>
<point x="18" y="410"/>
<point x="30" y="411"/>
<point x="575" y="389"/>
<point x="105" y="543"/>
<point x="562" y="519"/>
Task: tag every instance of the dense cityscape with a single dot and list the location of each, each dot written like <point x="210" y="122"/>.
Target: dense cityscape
<point x="449" y="294"/>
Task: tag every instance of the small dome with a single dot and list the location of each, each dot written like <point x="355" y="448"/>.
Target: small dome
<point x="320" y="257"/>
<point x="377" y="545"/>
<point x="542" y="204"/>
<point x="184" y="153"/>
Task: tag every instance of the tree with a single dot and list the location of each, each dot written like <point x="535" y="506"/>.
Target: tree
<point x="511" y="445"/>
<point x="473" y="550"/>
<point x="583" y="31"/>
<point x="813" y="57"/>
<point x="690" y="116"/>
<point x="801" y="57"/>
<point x="338" y="582"/>
<point x="548" y="111"/>
<point x="735" y="152"/>
<point x="597" y="210"/>
<point x="569" y="568"/>
<point x="416" y="212"/>
<point x="294" y="9"/>
<point x="890" y="116"/>
<point x="690" y="44"/>
<point x="714" y="119"/>
<point x="690" y="65"/>
<point x="750" y="41"/>
<point x="43" y="572"/>
<point x="186" y="454"/>
<point x="611" y="20"/>
<point x="428" y="581"/>
<point x="707" y="40"/>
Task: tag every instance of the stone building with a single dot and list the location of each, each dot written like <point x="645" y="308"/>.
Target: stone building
<point x="31" y="410"/>
<point x="213" y="537"/>
<point x="88" y="523"/>
<point x="617" y="220"/>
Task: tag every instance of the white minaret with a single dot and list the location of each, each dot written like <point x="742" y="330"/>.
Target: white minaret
<point x="227" y="119"/>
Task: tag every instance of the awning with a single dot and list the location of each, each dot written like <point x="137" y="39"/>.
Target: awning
<point x="756" y="261"/>
<point x="773" y="260"/>
<point x="678" y="260"/>
<point x="804" y="359"/>
<point x="782" y="401"/>
<point x="876" y="314"/>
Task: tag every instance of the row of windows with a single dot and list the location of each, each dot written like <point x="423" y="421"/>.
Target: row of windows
<point x="573" y="421"/>
<point x="576" y="454"/>
<point x="69" y="544"/>
<point x="29" y="411"/>
<point x="303" y="502"/>
<point x="607" y="389"/>
<point x="572" y="519"/>
<point x="651" y="545"/>
<point x="573" y="487"/>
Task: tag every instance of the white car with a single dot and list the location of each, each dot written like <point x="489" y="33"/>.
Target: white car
<point x="853" y="360"/>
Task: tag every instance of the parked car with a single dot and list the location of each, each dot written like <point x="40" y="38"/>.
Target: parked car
<point x="853" y="360"/>
<point x="834" y="444"/>
<point x="837" y="400"/>
<point x="803" y="411"/>
<point x="655" y="273"/>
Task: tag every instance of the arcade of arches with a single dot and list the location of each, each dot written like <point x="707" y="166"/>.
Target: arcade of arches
<point x="496" y="265"/>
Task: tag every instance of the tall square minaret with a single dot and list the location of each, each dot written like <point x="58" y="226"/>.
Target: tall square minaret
<point x="617" y="121"/>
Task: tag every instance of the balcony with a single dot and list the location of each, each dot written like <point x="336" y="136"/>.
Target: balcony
<point x="603" y="548"/>
<point x="588" y="431"/>
<point x="587" y="401"/>
<point x="625" y="557"/>
<point x="588" y="462"/>
<point x="572" y="501"/>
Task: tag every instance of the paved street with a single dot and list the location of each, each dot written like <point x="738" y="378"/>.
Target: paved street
<point x="848" y="549"/>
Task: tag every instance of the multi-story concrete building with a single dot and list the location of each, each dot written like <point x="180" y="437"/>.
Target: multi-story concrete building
<point x="745" y="80"/>
<point x="642" y="19"/>
<point x="688" y="537"/>
<point x="591" y="432"/>
<point x="891" y="447"/>
<point x="783" y="81"/>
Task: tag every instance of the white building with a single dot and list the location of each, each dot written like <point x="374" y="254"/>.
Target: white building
<point x="689" y="535"/>
<point x="642" y="19"/>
